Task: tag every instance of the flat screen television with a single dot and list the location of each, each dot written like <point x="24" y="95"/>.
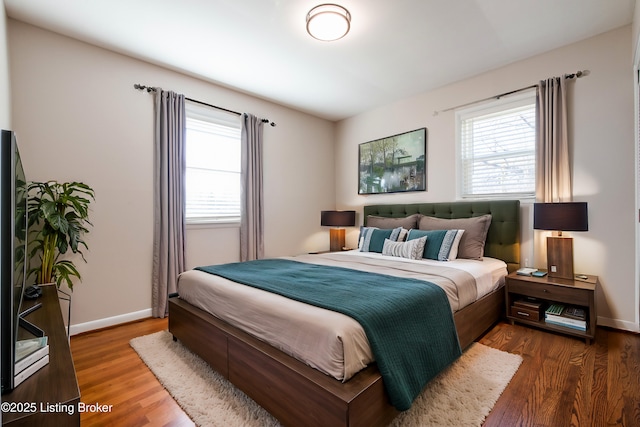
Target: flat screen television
<point x="13" y="250"/>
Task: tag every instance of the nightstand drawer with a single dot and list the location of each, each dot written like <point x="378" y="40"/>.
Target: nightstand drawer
<point x="566" y="294"/>
<point x="525" y="313"/>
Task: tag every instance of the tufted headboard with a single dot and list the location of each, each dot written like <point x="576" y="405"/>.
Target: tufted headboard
<point x="503" y="238"/>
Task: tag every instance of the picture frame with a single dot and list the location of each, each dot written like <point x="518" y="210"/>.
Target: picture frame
<point x="393" y="164"/>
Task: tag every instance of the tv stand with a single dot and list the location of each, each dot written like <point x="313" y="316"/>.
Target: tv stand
<point x="54" y="383"/>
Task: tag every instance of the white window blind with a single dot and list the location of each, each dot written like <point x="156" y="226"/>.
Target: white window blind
<point x="212" y="166"/>
<point x="497" y="149"/>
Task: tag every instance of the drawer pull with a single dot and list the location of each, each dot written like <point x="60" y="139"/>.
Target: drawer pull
<point x="545" y="291"/>
<point x="521" y="313"/>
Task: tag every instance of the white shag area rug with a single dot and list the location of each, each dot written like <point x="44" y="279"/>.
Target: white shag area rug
<point x="461" y="395"/>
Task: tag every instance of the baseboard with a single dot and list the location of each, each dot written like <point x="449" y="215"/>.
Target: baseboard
<point x="618" y="324"/>
<point x="143" y="314"/>
<point x="109" y="321"/>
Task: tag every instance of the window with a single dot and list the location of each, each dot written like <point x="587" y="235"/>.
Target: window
<point x="496" y="148"/>
<point x="212" y="165"/>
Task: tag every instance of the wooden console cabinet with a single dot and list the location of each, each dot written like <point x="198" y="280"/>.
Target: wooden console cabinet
<point x="52" y="392"/>
<point x="547" y="291"/>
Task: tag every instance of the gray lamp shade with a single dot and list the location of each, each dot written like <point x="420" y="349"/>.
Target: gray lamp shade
<point x="338" y="218"/>
<point x="569" y="216"/>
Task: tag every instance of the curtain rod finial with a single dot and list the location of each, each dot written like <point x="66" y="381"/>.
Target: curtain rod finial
<point x="143" y="87"/>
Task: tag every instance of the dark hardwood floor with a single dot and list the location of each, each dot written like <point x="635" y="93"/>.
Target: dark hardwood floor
<point x="564" y="382"/>
<point x="561" y="382"/>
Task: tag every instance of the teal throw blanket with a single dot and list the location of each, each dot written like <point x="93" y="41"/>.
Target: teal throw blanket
<point x="408" y="322"/>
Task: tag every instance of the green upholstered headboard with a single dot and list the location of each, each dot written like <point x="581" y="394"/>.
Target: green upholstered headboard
<point x="503" y="238"/>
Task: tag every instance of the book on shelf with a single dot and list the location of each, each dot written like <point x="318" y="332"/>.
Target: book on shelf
<point x="575" y="313"/>
<point x="30" y="370"/>
<point x="568" y="311"/>
<point x="566" y="324"/>
<point x="28" y="359"/>
<point x="27" y="347"/>
<point x="569" y="316"/>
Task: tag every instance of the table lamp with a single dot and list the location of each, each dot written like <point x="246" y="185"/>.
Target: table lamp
<point x="337" y="219"/>
<point x="559" y="217"/>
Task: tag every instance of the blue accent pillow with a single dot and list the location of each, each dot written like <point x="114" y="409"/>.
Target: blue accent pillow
<point x="440" y="243"/>
<point x="373" y="238"/>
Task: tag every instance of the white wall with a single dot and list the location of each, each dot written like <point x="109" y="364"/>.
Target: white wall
<point x="5" y="93"/>
<point x="601" y="132"/>
<point x="635" y="25"/>
<point x="78" y="118"/>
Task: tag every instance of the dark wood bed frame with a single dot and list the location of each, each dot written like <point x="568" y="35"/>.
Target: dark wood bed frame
<point x="297" y="394"/>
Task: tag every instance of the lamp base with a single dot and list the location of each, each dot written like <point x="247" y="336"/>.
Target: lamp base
<point x="336" y="239"/>
<point x="560" y="257"/>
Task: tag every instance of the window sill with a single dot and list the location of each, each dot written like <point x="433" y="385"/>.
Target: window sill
<point x="196" y="225"/>
<point x="523" y="198"/>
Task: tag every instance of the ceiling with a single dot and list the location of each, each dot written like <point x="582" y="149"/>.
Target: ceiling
<point x="395" y="49"/>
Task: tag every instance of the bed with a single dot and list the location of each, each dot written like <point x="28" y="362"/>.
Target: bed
<point x="298" y="394"/>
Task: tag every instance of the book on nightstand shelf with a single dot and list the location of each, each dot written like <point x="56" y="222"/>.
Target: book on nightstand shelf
<point x="567" y="316"/>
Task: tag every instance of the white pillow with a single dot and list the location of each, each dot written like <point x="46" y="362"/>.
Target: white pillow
<point x="412" y="249"/>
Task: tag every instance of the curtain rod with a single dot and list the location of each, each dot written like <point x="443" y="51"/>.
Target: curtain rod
<point x="575" y="75"/>
<point x="153" y="89"/>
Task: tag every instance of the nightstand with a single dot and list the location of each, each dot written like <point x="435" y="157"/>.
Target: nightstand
<point x="528" y="297"/>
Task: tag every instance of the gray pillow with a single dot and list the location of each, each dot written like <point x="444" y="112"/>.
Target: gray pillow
<point x="386" y="223"/>
<point x="411" y="250"/>
<point x="474" y="236"/>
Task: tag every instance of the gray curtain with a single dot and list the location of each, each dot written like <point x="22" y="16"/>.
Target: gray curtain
<point x="553" y="168"/>
<point x="169" y="195"/>
<point x="252" y="197"/>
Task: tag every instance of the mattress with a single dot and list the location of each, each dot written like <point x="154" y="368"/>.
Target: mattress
<point x="325" y="340"/>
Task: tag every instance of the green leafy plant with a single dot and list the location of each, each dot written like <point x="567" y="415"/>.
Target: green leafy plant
<point x="58" y="219"/>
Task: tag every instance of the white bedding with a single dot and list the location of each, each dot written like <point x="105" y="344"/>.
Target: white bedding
<point x="328" y="341"/>
<point x="489" y="273"/>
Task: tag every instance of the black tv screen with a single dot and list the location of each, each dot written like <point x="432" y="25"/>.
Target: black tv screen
<point x="13" y="249"/>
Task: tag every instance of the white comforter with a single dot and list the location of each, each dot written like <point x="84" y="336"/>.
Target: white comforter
<point x="328" y="341"/>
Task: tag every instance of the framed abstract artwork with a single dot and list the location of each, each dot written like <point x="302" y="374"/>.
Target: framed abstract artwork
<point x="393" y="164"/>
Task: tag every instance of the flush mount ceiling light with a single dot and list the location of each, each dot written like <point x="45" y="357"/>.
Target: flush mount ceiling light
<point x="328" y="22"/>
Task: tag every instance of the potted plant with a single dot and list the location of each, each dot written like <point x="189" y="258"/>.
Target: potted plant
<point x="58" y="219"/>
